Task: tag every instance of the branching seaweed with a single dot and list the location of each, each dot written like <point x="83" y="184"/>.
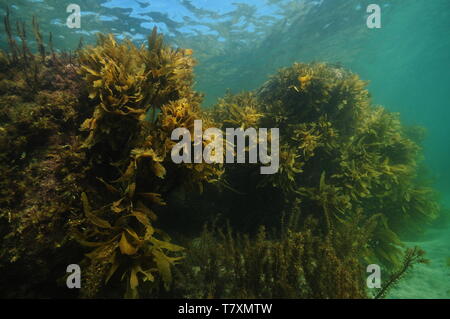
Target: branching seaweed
<point x="411" y="257"/>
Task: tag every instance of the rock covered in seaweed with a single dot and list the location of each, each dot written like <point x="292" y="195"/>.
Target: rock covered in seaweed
<point x="86" y="168"/>
<point x="339" y="155"/>
<point x="87" y="178"/>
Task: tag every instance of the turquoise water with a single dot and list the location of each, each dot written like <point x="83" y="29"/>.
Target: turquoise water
<point x="238" y="44"/>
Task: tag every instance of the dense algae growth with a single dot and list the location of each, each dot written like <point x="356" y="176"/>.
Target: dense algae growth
<point x="87" y="178"/>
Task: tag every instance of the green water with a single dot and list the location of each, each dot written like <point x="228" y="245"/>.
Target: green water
<point x="407" y="63"/>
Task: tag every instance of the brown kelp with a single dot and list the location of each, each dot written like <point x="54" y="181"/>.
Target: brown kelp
<point x="339" y="155"/>
<point x="87" y="178"/>
<point x="126" y="84"/>
<point x="94" y="147"/>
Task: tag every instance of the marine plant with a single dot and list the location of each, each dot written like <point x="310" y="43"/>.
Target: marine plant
<point x="95" y="145"/>
<point x="239" y="110"/>
<point x="87" y="178"/>
<point x="411" y="257"/>
<point x="301" y="261"/>
<point x="40" y="116"/>
<point x="339" y="156"/>
<point x="128" y="84"/>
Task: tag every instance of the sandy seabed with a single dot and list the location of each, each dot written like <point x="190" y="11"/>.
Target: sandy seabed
<point x="428" y="280"/>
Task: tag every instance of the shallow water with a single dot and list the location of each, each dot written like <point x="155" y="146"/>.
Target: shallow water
<point x="239" y="44"/>
<point x="428" y="281"/>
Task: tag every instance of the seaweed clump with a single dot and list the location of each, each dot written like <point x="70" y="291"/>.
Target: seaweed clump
<point x="85" y="155"/>
<point x="129" y="154"/>
<point x="296" y="263"/>
<point x="340" y="157"/>
<point x="85" y="143"/>
<point x="40" y="112"/>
